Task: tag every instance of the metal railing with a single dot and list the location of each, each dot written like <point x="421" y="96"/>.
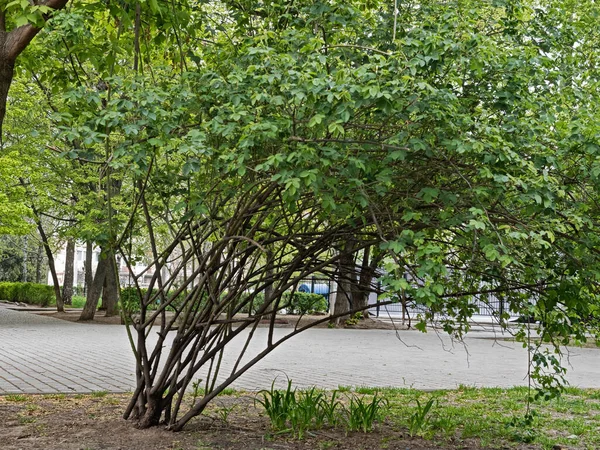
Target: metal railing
<point x="490" y="306"/>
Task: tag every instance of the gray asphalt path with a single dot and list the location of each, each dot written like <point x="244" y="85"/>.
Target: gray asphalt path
<point x="45" y="355"/>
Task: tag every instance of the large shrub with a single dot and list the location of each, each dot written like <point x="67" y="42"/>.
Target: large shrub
<point x="6" y="290"/>
<point x="131" y="300"/>
<point x="254" y="305"/>
<point x="299" y="303"/>
<point x="32" y="293"/>
<point x="305" y="303"/>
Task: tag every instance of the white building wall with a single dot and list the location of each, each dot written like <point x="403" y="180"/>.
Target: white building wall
<point x="60" y="259"/>
<point x="125" y="276"/>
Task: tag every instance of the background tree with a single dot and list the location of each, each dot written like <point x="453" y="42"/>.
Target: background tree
<point x="22" y="258"/>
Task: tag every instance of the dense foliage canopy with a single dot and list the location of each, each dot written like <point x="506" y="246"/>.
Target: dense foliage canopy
<point x="236" y="147"/>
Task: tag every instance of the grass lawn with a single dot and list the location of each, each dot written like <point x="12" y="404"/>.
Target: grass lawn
<point x="467" y="418"/>
<point x="78" y="301"/>
<point x="496" y="418"/>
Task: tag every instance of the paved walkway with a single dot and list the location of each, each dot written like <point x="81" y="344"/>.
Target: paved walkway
<point x="45" y="355"/>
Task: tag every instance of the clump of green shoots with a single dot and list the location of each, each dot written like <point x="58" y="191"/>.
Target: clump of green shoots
<point x="296" y="412"/>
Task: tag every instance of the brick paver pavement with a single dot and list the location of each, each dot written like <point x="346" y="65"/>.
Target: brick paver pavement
<point x="46" y="355"/>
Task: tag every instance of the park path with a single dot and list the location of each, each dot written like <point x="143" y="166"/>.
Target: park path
<point x="46" y="355"/>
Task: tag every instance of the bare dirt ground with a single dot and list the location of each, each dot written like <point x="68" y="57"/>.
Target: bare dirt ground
<point x="283" y="321"/>
<point x="94" y="422"/>
<point x="73" y="316"/>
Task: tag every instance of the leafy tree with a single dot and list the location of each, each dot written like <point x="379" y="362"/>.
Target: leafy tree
<point x="276" y="141"/>
<point x="21" y="258"/>
<point x="20" y="22"/>
<point x="43" y="180"/>
<point x="13" y="212"/>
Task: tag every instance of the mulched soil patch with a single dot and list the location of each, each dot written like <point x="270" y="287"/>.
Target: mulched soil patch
<point x="287" y="321"/>
<point x="94" y="422"/>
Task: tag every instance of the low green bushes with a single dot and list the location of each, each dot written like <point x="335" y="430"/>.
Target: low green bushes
<point x="31" y="293"/>
<point x="7" y="291"/>
<point x="78" y="301"/>
<point x="131" y="300"/>
<point x="43" y="295"/>
<point x="305" y="303"/>
<point x="300" y="303"/>
<point x="254" y="305"/>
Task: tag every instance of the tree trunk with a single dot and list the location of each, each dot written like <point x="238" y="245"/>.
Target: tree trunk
<point x="110" y="297"/>
<point x="372" y="257"/>
<point x="60" y="307"/>
<point x="94" y="291"/>
<point x="153" y="412"/>
<point x="268" y="288"/>
<point x="87" y="267"/>
<point x="38" y="264"/>
<point x="12" y="43"/>
<point x="346" y="279"/>
<point x="7" y="65"/>
<point x="69" y="272"/>
<point x="24" y="274"/>
<point x="102" y="301"/>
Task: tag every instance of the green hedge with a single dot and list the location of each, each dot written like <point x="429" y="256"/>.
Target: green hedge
<point x="32" y="293"/>
<point x="130" y="299"/>
<point x="258" y="301"/>
<point x="301" y="303"/>
<point x="305" y="303"/>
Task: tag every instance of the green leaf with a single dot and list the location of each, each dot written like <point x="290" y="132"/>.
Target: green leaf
<point x="429" y="194"/>
<point x="315" y="120"/>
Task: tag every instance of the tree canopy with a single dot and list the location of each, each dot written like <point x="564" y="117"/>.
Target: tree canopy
<point x="236" y="147"/>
